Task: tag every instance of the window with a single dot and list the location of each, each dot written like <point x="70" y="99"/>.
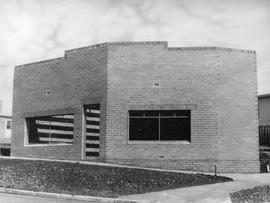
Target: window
<point x="92" y="129"/>
<point x="4" y="151"/>
<point x="50" y="129"/>
<point x="8" y="125"/>
<point x="163" y="125"/>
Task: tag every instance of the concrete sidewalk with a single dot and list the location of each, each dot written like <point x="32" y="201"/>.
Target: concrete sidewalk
<point x="215" y="193"/>
<point x="218" y="192"/>
<point x="45" y="197"/>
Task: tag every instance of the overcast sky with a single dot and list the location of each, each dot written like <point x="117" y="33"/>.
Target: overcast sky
<point x="34" y="30"/>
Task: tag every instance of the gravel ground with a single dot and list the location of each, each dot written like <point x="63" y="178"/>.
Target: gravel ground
<point x="256" y="194"/>
<point x="94" y="180"/>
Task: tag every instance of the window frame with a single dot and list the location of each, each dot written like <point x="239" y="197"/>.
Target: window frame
<point x="26" y="131"/>
<point x="159" y="141"/>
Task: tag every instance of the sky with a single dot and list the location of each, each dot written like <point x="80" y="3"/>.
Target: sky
<point x="35" y="30"/>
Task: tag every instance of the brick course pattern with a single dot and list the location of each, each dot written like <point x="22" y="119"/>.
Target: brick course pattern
<point x="218" y="85"/>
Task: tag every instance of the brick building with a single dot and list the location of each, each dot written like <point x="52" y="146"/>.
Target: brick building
<point x="264" y="122"/>
<point x="143" y="104"/>
<point x="264" y="109"/>
<point x="5" y="132"/>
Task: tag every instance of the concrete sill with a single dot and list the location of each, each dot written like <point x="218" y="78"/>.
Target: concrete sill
<point x="159" y="142"/>
<point x="46" y="145"/>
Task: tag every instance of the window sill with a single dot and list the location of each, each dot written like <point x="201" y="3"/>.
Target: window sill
<point x="45" y="145"/>
<point x="160" y="142"/>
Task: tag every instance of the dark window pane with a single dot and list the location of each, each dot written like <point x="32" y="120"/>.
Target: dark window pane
<point x="41" y="126"/>
<point x="174" y="129"/>
<point x="136" y="113"/>
<point x="140" y="113"/>
<point x="92" y="153"/>
<point x="94" y="106"/>
<point x="91" y="122"/>
<point x="33" y="135"/>
<point x="62" y="136"/>
<point x="92" y="127"/>
<point x="183" y="113"/>
<point x="5" y="151"/>
<point x="143" y="128"/>
<point x="151" y="113"/>
<point x="92" y="138"/>
<point x="167" y="113"/>
<point x="8" y="124"/>
<point x="44" y="118"/>
<point x="50" y="129"/>
<point x="61" y="120"/>
<point x="175" y="113"/>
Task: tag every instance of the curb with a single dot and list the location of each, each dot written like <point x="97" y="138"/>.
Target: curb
<point x="68" y="196"/>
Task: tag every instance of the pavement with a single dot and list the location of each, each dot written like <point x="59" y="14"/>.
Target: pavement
<point x="219" y="192"/>
<point x="213" y="193"/>
<point x="11" y="198"/>
<point x="9" y="195"/>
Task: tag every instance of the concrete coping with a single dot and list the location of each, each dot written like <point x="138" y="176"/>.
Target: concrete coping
<point x="165" y="43"/>
<point x="123" y="43"/>
<point x="39" y="62"/>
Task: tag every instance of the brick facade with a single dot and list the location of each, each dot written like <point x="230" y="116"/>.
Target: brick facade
<point x="218" y="85"/>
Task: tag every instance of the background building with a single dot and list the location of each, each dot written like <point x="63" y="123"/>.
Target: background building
<point x="264" y="110"/>
<point x="264" y="130"/>
<point x="264" y="119"/>
<point x="5" y="133"/>
<point x="143" y="104"/>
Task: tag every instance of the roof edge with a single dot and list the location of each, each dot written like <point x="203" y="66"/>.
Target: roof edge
<point x="262" y="96"/>
<point x="211" y="48"/>
<point x="165" y="43"/>
<point x="120" y="43"/>
<point x="38" y="62"/>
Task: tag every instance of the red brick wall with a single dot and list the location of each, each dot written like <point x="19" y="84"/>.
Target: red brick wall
<point x="77" y="79"/>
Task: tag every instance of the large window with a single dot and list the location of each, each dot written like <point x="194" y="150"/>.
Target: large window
<point x="50" y="129"/>
<point x="164" y="125"/>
